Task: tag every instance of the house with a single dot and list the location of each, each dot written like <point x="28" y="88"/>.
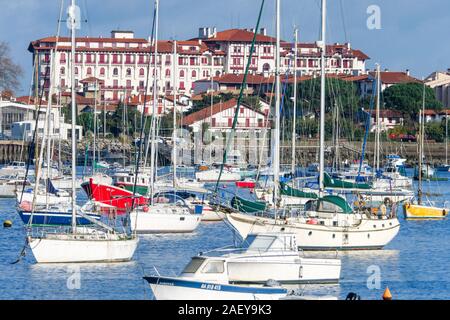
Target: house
<point x="387" y="79"/>
<point x="388" y="119"/>
<point x="440" y="82"/>
<point x="219" y="117"/>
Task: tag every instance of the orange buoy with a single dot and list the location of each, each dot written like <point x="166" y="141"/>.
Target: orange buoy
<point x="387" y="294"/>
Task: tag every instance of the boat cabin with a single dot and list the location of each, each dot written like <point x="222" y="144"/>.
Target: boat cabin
<point x="328" y="206"/>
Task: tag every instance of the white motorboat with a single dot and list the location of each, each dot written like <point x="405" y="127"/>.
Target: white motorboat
<point x="10" y="184"/>
<point x="164" y="218"/>
<point x="265" y="256"/>
<point x="15" y="168"/>
<point x="175" y="288"/>
<point x="327" y="223"/>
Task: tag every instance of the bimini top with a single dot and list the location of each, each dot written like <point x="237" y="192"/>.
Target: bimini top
<point x="333" y="204"/>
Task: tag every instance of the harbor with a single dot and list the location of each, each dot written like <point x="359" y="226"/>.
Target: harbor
<point x="232" y="166"/>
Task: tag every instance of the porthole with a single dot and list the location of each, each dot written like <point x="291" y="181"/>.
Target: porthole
<point x="281" y="229"/>
<point x="368" y="236"/>
<point x="334" y="236"/>
<point x="382" y="225"/>
<point x="309" y="233"/>
<point x="181" y="218"/>
<point x="374" y="225"/>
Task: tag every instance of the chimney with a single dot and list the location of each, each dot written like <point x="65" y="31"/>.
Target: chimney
<point x="214" y="32"/>
<point x="263" y="31"/>
<point x="202" y="33"/>
<point x="252" y="30"/>
<point x="407" y="72"/>
<point x="386" y="70"/>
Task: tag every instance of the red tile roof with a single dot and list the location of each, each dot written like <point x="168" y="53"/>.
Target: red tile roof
<point x="387" y="113"/>
<point x="210" y="111"/>
<point x="391" y="77"/>
<point x="239" y="35"/>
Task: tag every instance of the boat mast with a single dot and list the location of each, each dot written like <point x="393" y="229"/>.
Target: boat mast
<point x="446" y="138"/>
<point x="276" y="156"/>
<point x="322" y="100"/>
<point x="421" y="141"/>
<point x="174" y="135"/>
<point x="72" y="17"/>
<point x="295" y="102"/>
<point x="377" y="136"/>
<point x="155" y="101"/>
<point x="95" y="128"/>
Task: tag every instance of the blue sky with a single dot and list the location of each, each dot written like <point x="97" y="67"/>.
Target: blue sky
<point x="414" y="34"/>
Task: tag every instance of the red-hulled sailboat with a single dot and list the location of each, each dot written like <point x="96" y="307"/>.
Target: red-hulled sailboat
<point x="113" y="196"/>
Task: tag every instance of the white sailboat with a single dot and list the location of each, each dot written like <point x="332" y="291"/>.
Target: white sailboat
<point x="327" y="223"/>
<point x="162" y="217"/>
<point x="80" y="244"/>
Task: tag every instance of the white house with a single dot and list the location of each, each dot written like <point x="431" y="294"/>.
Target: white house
<point x="219" y="117"/>
<point x="388" y="120"/>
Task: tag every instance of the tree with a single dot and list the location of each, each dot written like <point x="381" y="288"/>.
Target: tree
<point x="9" y="71"/>
<point x="408" y="99"/>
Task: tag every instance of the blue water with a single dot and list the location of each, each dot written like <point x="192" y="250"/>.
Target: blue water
<point x="415" y="265"/>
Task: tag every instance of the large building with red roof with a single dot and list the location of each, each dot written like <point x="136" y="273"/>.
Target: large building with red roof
<point x="121" y="61"/>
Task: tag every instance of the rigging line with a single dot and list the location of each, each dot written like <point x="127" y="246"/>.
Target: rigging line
<point x="244" y="81"/>
<point x="143" y="117"/>
<point x="33" y="143"/>
<point x="344" y="25"/>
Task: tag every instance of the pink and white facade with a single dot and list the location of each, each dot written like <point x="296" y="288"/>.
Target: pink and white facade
<point x="121" y="61"/>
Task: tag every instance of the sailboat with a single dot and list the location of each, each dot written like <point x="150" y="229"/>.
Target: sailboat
<point x="80" y="244"/>
<point x="419" y="210"/>
<point x="326" y="223"/>
<point x="162" y="217"/>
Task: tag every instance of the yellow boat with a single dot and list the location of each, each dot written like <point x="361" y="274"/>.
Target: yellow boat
<point x="415" y="211"/>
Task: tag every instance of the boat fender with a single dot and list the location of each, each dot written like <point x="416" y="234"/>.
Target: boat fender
<point x="444" y="212"/>
<point x="383" y="209"/>
<point x="145" y="208"/>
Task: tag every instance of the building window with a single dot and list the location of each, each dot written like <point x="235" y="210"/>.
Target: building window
<point x="76" y="70"/>
<point x="115" y="72"/>
<point x="63" y="83"/>
<point x="63" y="58"/>
<point x="182" y="85"/>
<point x="128" y="72"/>
<point x="141" y="72"/>
<point x="141" y="59"/>
<point x="63" y="71"/>
<point x="194" y="74"/>
<point x="167" y="60"/>
<point x="167" y="72"/>
<point x="141" y="84"/>
<point x="181" y="73"/>
<point x="102" y="71"/>
<point x="128" y="84"/>
<point x="89" y="71"/>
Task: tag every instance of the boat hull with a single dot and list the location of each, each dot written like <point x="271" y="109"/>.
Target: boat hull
<point x="302" y="271"/>
<point x="166" y="288"/>
<point x="163" y="221"/>
<point x="81" y="251"/>
<point x="53" y="218"/>
<point x="413" y="211"/>
<point x="369" y="234"/>
<point x="111" y="195"/>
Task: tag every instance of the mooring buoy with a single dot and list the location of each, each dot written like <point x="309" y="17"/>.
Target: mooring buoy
<point x="7" y="224"/>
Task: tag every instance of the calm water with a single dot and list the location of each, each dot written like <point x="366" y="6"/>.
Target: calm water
<point x="415" y="265"/>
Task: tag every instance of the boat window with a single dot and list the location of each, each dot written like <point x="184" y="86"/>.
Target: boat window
<point x="260" y="243"/>
<point x="193" y="266"/>
<point x="311" y="206"/>
<point x="329" y="207"/>
<point x="213" y="267"/>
